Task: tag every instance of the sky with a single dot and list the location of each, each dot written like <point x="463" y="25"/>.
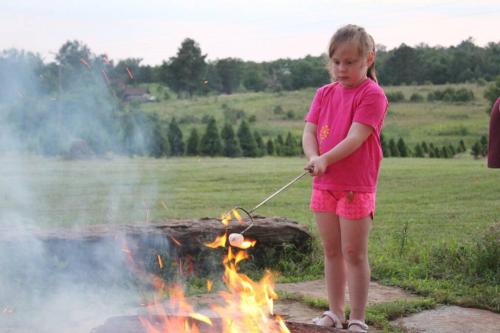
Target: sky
<point x="258" y="30"/>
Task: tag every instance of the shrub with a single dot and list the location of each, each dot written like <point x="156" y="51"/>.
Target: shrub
<point x="416" y="98"/>
<point x="396" y="96"/>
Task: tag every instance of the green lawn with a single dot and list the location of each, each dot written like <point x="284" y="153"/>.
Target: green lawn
<point x="424" y="207"/>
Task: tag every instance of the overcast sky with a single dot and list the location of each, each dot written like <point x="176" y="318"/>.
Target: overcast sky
<point x="251" y="30"/>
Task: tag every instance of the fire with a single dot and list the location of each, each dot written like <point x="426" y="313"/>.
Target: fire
<point x="220" y="241"/>
<point x="129" y="72"/>
<point x="85" y="63"/>
<point x="247" y="305"/>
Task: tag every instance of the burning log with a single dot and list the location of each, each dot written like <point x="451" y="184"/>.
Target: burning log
<point x="132" y="324"/>
<point x="179" y="243"/>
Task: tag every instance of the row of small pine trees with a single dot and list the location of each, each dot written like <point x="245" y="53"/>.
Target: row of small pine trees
<point x="230" y="143"/>
<point x="399" y="148"/>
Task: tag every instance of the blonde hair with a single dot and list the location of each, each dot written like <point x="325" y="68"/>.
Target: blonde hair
<point x="357" y="34"/>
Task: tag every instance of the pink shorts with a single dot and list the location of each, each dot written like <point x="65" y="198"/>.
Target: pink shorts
<point x="350" y="205"/>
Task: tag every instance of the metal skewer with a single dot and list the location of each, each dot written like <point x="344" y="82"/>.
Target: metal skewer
<point x="249" y="212"/>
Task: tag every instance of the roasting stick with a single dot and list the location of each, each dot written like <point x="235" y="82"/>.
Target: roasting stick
<point x="236" y="239"/>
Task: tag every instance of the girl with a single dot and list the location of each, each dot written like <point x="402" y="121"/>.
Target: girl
<point x="342" y="143"/>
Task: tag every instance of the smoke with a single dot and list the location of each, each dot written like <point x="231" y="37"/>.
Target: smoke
<point x="52" y="279"/>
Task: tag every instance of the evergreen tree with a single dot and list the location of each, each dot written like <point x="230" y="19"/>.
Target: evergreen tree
<point x="279" y="145"/>
<point x="419" y="151"/>
<point x="437" y="153"/>
<point x="483" y="144"/>
<point x="175" y="139"/>
<point x="247" y="141"/>
<point x="159" y="145"/>
<point x="230" y="145"/>
<point x="270" y="147"/>
<point x="290" y="147"/>
<point x="403" y="150"/>
<point x="425" y="149"/>
<point x="462" y="146"/>
<point x="385" y="150"/>
<point x="393" y="148"/>
<point x="444" y="152"/>
<point x="193" y="143"/>
<point x="210" y="144"/>
<point x="452" y="150"/>
<point x="261" y="148"/>
<point x="476" y="150"/>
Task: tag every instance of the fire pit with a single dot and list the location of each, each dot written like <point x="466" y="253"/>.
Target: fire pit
<point x="132" y="324"/>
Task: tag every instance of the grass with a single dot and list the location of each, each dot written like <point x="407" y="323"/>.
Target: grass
<point x="437" y="122"/>
<point x="424" y="206"/>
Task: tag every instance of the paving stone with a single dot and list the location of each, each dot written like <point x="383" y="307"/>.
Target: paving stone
<point x="377" y="293"/>
<point x="451" y="319"/>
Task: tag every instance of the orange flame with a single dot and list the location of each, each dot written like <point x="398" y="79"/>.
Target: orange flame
<point x="85" y="63"/>
<point x="220" y="241"/>
<point x="248" y="306"/>
<point x="176" y="242"/>
<point x="160" y="261"/>
<point x="105" y="76"/>
<point x="129" y="72"/>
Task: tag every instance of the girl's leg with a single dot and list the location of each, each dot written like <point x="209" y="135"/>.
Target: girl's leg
<point x="354" y="235"/>
<point x="329" y="231"/>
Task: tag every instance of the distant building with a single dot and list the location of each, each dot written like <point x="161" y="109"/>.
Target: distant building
<point x="137" y="94"/>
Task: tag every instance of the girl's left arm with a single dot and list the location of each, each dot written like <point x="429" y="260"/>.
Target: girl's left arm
<point x="357" y="134"/>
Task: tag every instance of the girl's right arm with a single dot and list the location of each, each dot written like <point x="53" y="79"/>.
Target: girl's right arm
<point x="310" y="144"/>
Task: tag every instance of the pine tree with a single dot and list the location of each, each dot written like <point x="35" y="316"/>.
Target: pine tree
<point x="230" y="145"/>
<point x="193" y="143"/>
<point x="444" y="152"/>
<point x="385" y="150"/>
<point x="261" y="148"/>
<point x="437" y="153"/>
<point x="403" y="150"/>
<point x="483" y="143"/>
<point x="419" y="151"/>
<point x="175" y="139"/>
<point x="247" y="141"/>
<point x="452" y="150"/>
<point x="476" y="150"/>
<point x="462" y="146"/>
<point x="159" y="145"/>
<point x="393" y="148"/>
<point x="290" y="147"/>
<point x="270" y="147"/>
<point x="210" y="144"/>
<point x="279" y="145"/>
<point x="424" y="147"/>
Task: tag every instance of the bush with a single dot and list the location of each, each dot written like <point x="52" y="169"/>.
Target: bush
<point x="416" y="98"/>
<point x="451" y="95"/>
<point x="396" y="96"/>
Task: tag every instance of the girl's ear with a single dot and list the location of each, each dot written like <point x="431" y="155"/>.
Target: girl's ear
<point x="370" y="58"/>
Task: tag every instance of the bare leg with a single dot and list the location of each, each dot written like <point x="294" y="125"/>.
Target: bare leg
<point x="354" y="235"/>
<point x="329" y="231"/>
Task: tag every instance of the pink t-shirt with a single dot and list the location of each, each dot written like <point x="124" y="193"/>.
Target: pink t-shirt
<point x="333" y="110"/>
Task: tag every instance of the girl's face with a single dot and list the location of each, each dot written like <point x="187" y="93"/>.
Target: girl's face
<point x="348" y="66"/>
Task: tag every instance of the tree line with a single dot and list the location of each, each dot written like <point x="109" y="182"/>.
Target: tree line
<point x="189" y="72"/>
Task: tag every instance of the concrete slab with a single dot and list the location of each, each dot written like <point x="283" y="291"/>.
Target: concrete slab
<point x="451" y="319"/>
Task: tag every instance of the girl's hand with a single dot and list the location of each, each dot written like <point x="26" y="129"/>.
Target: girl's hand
<point x="317" y="165"/>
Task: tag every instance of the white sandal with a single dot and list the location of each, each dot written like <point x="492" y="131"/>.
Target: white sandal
<point x="359" y="323"/>
<point x="336" y="322"/>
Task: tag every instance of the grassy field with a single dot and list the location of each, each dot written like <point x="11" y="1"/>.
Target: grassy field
<point x="428" y="209"/>
<point x="436" y="122"/>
